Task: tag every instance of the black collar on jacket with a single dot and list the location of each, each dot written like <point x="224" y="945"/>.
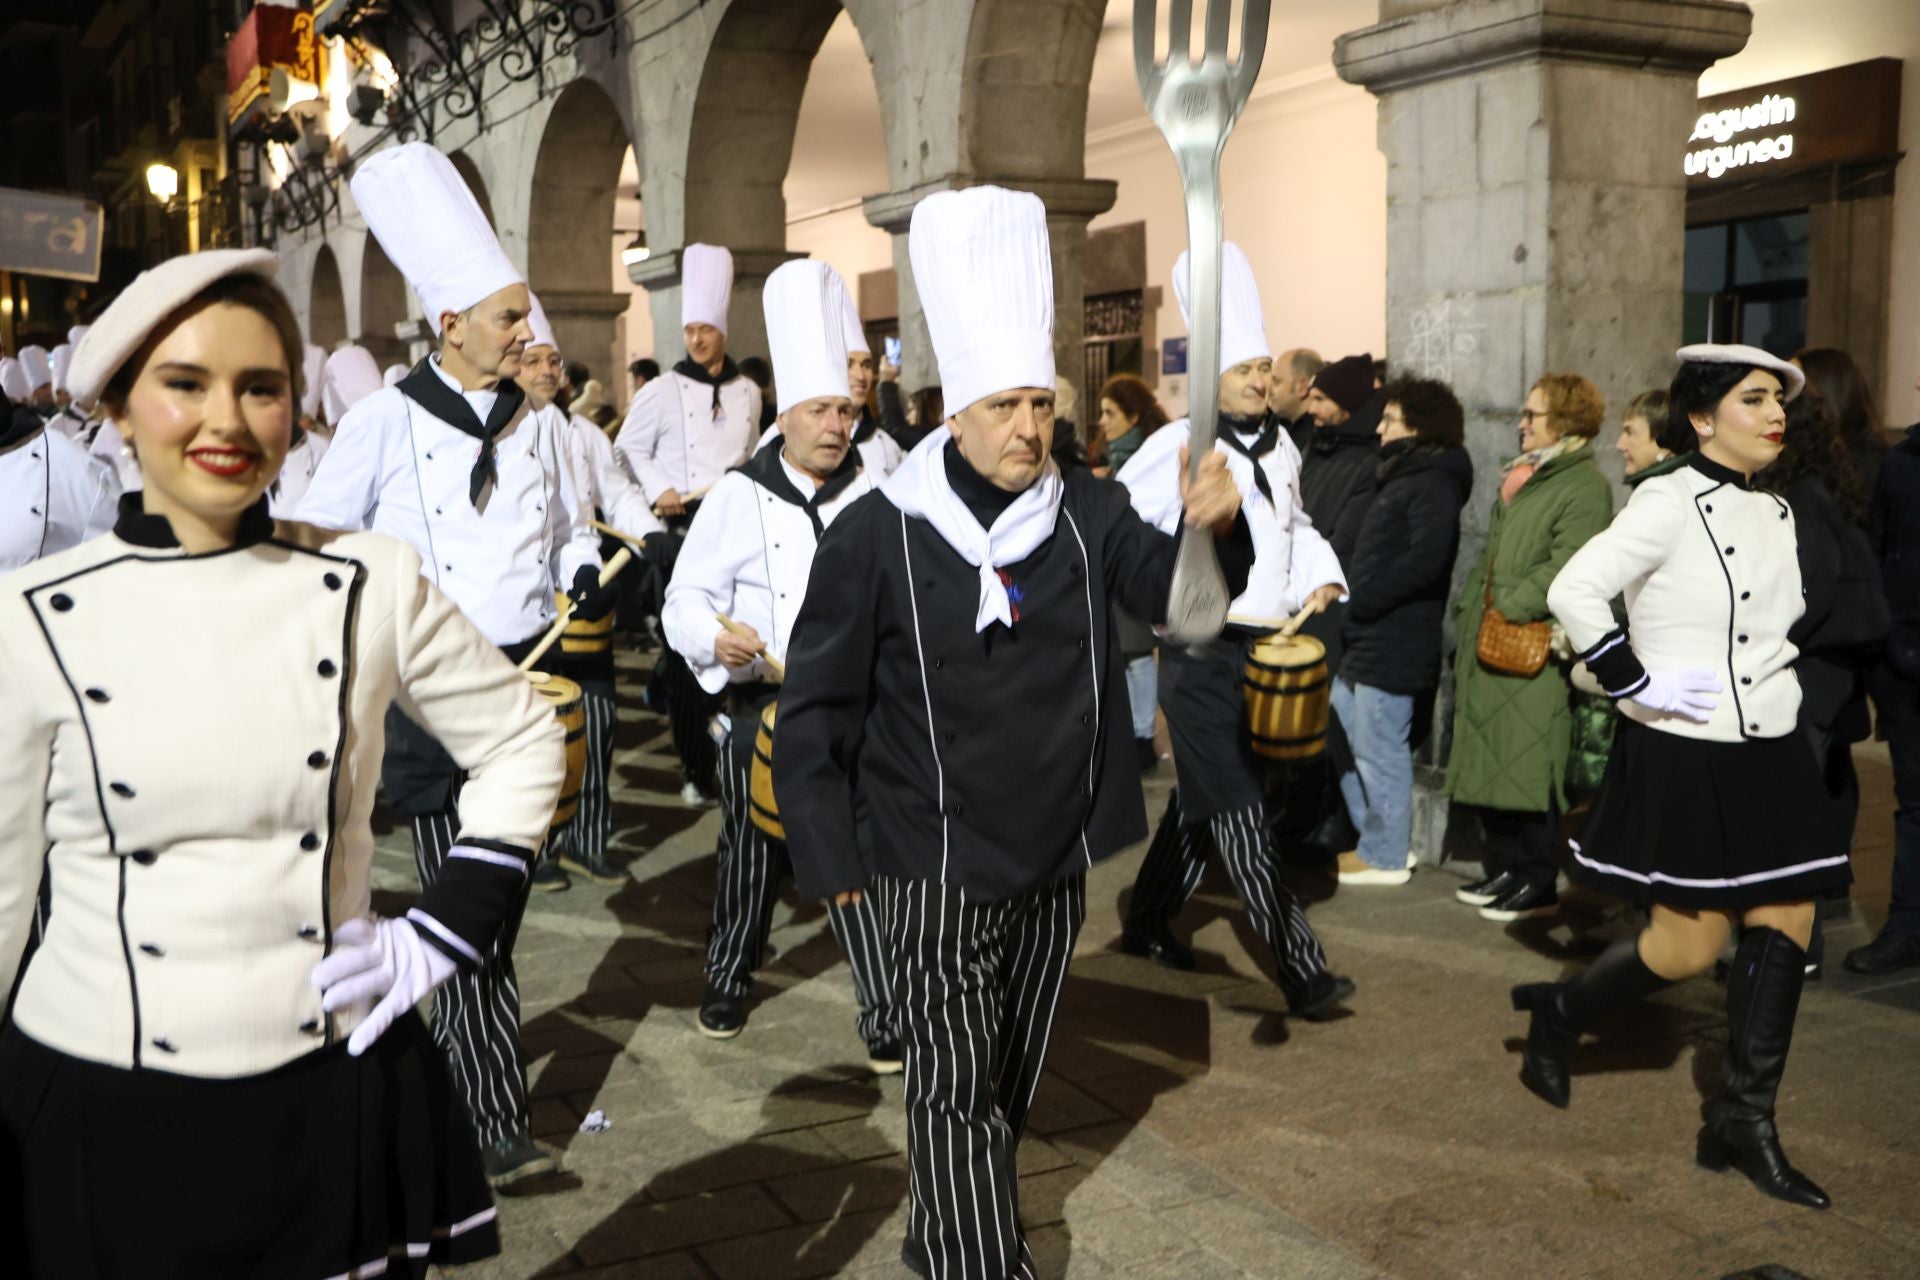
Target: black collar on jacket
<point x="765" y="469"/>
<point x="688" y="368"/>
<point x="425" y="388"/>
<point x="1714" y="471"/>
<point x="17" y="422"/>
<point x="985" y="499"/>
<point x="134" y="525"/>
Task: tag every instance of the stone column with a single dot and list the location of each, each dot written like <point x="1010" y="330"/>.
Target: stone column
<point x="1536" y="207"/>
<point x="584" y="325"/>
<point x="659" y="275"/>
<point x="1071" y="203"/>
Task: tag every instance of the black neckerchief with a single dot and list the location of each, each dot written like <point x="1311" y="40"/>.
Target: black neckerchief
<point x="985" y="499"/>
<point x="17" y="423"/>
<point x="424" y="387"/>
<point x="1266" y="434"/>
<point x="134" y="525"/>
<point x="867" y="427"/>
<point x="1725" y="475"/>
<point x="698" y="373"/>
<point x="766" y="470"/>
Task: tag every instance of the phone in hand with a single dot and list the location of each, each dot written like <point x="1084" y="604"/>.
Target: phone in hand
<point x="893" y="352"/>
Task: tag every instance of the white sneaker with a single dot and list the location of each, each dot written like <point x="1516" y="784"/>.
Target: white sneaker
<point x="693" y="797"/>
<point x="1356" y="870"/>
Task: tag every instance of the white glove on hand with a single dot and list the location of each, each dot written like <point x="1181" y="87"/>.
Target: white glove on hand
<point x="1688" y="694"/>
<point x="378" y="959"/>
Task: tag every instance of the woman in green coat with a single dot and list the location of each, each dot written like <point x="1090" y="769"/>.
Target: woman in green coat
<point x="1512" y="735"/>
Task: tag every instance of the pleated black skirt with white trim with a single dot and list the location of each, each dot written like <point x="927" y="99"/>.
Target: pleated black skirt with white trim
<point x="1702" y="825"/>
<point x="328" y="1168"/>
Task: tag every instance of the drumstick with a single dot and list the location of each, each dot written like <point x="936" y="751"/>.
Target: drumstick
<point x="1298" y="620"/>
<point x="609" y="529"/>
<point x="773" y="664"/>
<point x="685" y="498"/>
<point x="607" y="574"/>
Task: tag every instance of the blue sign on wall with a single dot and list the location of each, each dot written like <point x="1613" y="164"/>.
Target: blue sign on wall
<point x="1173" y="356"/>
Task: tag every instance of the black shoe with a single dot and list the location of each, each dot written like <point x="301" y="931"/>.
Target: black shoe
<point x="1562" y="1010"/>
<point x="1157" y="945"/>
<point x="885" y="1058"/>
<point x="547" y="877"/>
<point x="1147" y="753"/>
<point x="514" y="1159"/>
<point x="913" y="1256"/>
<point x="1523" y="903"/>
<point x="1763" y="996"/>
<point x="1490" y="889"/>
<point x="1885" y="954"/>
<point x="598" y="870"/>
<point x="1322" y="999"/>
<point x="721" y="1016"/>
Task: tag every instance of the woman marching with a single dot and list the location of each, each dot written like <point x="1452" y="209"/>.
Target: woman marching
<point x="1710" y="812"/>
<point x="214" y="1067"/>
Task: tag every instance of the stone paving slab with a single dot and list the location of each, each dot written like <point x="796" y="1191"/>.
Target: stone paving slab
<point x="1185" y="1128"/>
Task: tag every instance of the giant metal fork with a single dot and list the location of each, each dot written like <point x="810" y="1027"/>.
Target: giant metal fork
<point x="1196" y="104"/>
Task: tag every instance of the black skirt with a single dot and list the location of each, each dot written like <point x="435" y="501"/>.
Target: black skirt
<point x="1699" y="825"/>
<point x="326" y="1168"/>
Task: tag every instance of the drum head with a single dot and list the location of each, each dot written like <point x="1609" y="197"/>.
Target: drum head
<point x="1288" y="651"/>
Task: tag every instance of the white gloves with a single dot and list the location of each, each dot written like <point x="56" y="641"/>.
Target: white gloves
<point x="378" y="959"/>
<point x="1688" y="694"/>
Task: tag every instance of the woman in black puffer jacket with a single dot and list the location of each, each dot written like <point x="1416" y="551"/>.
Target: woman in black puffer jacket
<point x="1398" y="580"/>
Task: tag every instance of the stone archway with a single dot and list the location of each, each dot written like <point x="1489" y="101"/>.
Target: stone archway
<point x="570" y="262"/>
<point x="383" y="305"/>
<point x="470" y="173"/>
<point x="327" y="302"/>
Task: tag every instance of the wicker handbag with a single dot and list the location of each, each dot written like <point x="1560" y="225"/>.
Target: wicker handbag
<point x="1510" y="648"/>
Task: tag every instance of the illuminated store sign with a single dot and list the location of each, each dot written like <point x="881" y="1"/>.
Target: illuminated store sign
<point x="1848" y="115"/>
<point x="1766" y="116"/>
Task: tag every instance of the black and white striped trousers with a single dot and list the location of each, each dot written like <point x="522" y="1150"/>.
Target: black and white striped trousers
<point x="978" y="984"/>
<point x="476" y="1015"/>
<point x="586" y="835"/>
<point x="1177" y="858"/>
<point x="752" y="868"/>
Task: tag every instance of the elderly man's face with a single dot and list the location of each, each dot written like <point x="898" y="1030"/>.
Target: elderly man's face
<point x="1006" y="436"/>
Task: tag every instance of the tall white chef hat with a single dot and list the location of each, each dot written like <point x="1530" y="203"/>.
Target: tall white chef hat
<point x="706" y="285"/>
<point x="351" y="376"/>
<point x="542" y="331"/>
<point x="984" y="272"/>
<point x="38" y="367"/>
<point x="76" y="333"/>
<point x="13" y="380"/>
<point x="393" y="373"/>
<point x="806" y="302"/>
<point x="856" y="333"/>
<point x="422" y="213"/>
<point x="1243" y="330"/>
<point x="314" y="365"/>
<point x="62" y="360"/>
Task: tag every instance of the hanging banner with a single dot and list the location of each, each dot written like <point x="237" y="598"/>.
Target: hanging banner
<point x="49" y="235"/>
<point x="273" y="37"/>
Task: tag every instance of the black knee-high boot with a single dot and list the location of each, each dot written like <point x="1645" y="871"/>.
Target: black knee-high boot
<point x="1763" y="995"/>
<point x="1562" y="1010"/>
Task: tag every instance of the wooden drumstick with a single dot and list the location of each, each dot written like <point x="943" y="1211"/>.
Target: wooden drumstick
<point x="1298" y="620"/>
<point x="609" y="529"/>
<point x="685" y="498"/>
<point x="607" y="574"/>
<point x="773" y="664"/>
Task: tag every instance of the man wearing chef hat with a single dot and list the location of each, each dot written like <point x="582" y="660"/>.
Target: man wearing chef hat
<point x="953" y="736"/>
<point x="880" y="453"/>
<point x="309" y="443"/>
<point x="454" y="462"/>
<point x="683" y="432"/>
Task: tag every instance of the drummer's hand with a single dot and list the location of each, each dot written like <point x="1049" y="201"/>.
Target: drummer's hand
<point x="851" y="898"/>
<point x="736" y="651"/>
<point x="669" y="504"/>
<point x="1324" y="597"/>
<point x="1211" y="499"/>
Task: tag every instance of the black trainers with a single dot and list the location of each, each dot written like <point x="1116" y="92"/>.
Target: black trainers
<point x="1885" y="954"/>
<point x="514" y="1159"/>
<point x="1493" y="887"/>
<point x="914" y="1257"/>
<point x="547" y="877"/>
<point x="885" y="1058"/>
<point x="1322" y="999"/>
<point x="1523" y="903"/>
<point x="1157" y="945"/>
<point x="722" y="1017"/>
<point x="598" y="870"/>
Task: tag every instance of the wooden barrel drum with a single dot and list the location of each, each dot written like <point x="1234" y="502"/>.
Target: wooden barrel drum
<point x="583" y="638"/>
<point x="762" y="809"/>
<point x="1287" y="696"/>
<point x="570" y="705"/>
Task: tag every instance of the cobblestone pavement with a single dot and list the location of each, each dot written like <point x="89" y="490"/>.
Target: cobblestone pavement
<point x="1185" y="1129"/>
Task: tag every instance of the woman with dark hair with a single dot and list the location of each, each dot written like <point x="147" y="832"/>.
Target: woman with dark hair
<point x="214" y="1066"/>
<point x="1397" y="580"/>
<point x="1832" y="372"/>
<point x="1129" y="413"/>
<point x="1710" y="811"/>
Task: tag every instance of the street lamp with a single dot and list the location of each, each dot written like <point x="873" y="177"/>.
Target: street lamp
<point x="163" y="180"/>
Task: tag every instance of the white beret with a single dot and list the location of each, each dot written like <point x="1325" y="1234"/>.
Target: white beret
<point x="145" y="305"/>
<point x="1753" y="357"/>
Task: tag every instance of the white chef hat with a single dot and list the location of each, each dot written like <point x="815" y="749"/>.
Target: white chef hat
<point x="984" y="272"/>
<point x="351" y="376"/>
<point x="542" y="331"/>
<point x="314" y="367"/>
<point x="706" y="285"/>
<point x="425" y="217"/>
<point x="393" y="373"/>
<point x="1243" y="331"/>
<point x="144" y="306"/>
<point x="38" y="367"/>
<point x="856" y="333"/>
<point x="62" y="360"/>
<point x="13" y="380"/>
<point x="1792" y="378"/>
<point x="76" y="333"/>
<point x="806" y="302"/>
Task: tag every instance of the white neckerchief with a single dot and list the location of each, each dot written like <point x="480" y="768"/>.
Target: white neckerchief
<point x="919" y="487"/>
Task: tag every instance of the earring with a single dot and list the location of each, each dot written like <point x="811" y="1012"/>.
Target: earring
<point x="1706" y="433"/>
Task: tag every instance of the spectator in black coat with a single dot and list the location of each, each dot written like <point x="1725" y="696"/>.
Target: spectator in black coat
<point x="1398" y="578"/>
<point x="1833" y="374"/>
